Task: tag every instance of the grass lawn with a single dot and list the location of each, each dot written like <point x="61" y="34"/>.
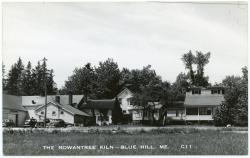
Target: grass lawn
<point x="194" y="143"/>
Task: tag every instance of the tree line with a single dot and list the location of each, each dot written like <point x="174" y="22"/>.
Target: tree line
<point x="106" y="80"/>
<point x="24" y="80"/>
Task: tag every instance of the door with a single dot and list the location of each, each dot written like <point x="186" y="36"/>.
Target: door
<point x="13" y="117"/>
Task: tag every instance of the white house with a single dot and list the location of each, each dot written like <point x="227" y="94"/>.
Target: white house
<point x="200" y="103"/>
<point x="125" y="97"/>
<point x="58" y="111"/>
<point x="32" y="102"/>
<point x="135" y="112"/>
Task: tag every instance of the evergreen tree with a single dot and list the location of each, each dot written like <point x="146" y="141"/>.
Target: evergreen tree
<point x="51" y="85"/>
<point x="4" y="81"/>
<point x="37" y="75"/>
<point x="28" y="80"/>
<point x="15" y="77"/>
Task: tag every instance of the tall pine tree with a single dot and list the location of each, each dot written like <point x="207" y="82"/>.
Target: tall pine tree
<point x="15" y="76"/>
<point x="28" y="80"/>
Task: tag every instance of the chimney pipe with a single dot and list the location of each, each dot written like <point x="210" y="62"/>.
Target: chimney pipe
<point x="70" y="98"/>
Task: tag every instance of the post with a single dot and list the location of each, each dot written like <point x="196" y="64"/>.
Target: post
<point x="45" y="91"/>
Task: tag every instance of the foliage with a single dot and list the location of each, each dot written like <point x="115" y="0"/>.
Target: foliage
<point x="83" y="81"/>
<point x="201" y="60"/>
<point x="4" y="81"/>
<point x="28" y="81"/>
<point x="234" y="110"/>
<point x="108" y="77"/>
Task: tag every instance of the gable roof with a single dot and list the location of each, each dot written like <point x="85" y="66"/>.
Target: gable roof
<point x="12" y="102"/>
<point x="98" y="104"/>
<point x="67" y="108"/>
<point x="196" y="100"/>
<point x="124" y="90"/>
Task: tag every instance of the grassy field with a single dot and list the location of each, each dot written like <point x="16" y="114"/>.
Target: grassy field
<point x="210" y="142"/>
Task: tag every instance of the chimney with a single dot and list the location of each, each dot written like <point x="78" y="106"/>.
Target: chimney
<point x="70" y="98"/>
<point x="58" y="99"/>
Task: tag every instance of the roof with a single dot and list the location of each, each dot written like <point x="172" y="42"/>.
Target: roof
<point x="157" y="105"/>
<point x="40" y="100"/>
<point x="98" y="104"/>
<point x="137" y="108"/>
<point x="176" y="105"/>
<point x="67" y="108"/>
<point x="196" y="100"/>
<point x="13" y="102"/>
<point x="205" y="88"/>
<point x="123" y="91"/>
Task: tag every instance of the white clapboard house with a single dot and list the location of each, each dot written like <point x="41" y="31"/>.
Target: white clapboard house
<point x="58" y="107"/>
<point x="200" y="103"/>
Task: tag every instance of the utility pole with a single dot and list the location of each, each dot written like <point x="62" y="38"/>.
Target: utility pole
<point x="45" y="90"/>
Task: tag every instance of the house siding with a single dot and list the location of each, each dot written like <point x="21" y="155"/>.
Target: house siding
<point x="18" y="117"/>
<point x="66" y="116"/>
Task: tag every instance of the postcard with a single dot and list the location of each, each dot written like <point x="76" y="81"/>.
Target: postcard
<point x="124" y="78"/>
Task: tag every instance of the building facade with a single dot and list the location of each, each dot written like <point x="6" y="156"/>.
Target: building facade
<point x="200" y="103"/>
<point x="100" y="110"/>
<point x="13" y="110"/>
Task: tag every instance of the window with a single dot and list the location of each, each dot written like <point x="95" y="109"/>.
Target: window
<point x="53" y="113"/>
<point x="205" y="111"/>
<point x="33" y="102"/>
<point x="192" y="111"/>
<point x="62" y="112"/>
<point x="42" y="112"/>
<point x="128" y="101"/>
<point x="196" y="91"/>
<point x="120" y="100"/>
<point x="124" y="111"/>
<point x="215" y="91"/>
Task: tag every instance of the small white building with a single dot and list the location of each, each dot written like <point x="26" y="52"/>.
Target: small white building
<point x="58" y="111"/>
<point x="200" y="103"/>
<point x="33" y="103"/>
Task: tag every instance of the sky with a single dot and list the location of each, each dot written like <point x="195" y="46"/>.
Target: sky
<point x="134" y="34"/>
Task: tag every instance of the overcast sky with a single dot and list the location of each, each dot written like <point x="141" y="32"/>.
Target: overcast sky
<point x="134" y="34"/>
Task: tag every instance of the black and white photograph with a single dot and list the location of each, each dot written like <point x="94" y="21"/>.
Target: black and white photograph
<point x="125" y="78"/>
